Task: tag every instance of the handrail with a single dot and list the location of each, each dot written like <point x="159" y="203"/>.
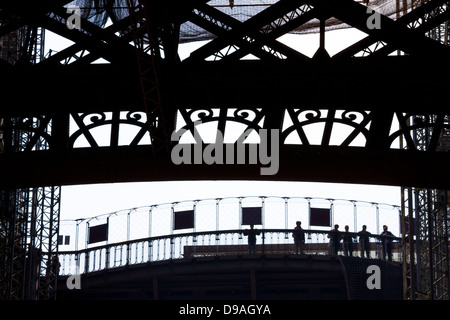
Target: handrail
<point x="209" y="214"/>
<point x="223" y="242"/>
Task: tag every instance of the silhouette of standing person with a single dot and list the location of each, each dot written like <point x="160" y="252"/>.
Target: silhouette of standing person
<point x="335" y="240"/>
<point x="386" y="242"/>
<point x="251" y="237"/>
<point x="364" y="241"/>
<point x="348" y="243"/>
<point x="299" y="237"/>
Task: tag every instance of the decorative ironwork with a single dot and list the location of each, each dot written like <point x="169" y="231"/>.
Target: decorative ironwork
<point x="114" y="122"/>
<point x="421" y="31"/>
<point x="250" y="118"/>
<point x="30" y="216"/>
<point x="410" y="124"/>
<point x="356" y="121"/>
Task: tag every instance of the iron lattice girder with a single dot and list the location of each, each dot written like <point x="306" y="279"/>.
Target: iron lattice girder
<point x="395" y="33"/>
<point x="407" y="33"/>
<point x="357" y="84"/>
<point x="416" y="23"/>
<point x="100" y="43"/>
<point x="253" y="35"/>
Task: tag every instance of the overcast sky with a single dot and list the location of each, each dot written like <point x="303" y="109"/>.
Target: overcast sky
<point x="91" y="200"/>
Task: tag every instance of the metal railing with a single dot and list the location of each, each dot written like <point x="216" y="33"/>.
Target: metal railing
<point x="212" y="243"/>
<point x="226" y="214"/>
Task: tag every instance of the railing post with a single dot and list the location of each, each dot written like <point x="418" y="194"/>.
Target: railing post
<point x="107" y="257"/>
<point x="150" y="250"/>
<point x="77" y="262"/>
<point x="217" y="213"/>
<point x="150" y="216"/>
<point x="171" y="248"/>
<point x="128" y="254"/>
<point x="86" y="262"/>
<point x="263" y="241"/>
<point x="286" y="216"/>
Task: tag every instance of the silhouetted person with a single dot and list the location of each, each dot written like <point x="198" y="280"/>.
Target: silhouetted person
<point x="348" y="243"/>
<point x="335" y="240"/>
<point x="364" y="241"/>
<point x="251" y="234"/>
<point x="386" y="242"/>
<point x="299" y="237"/>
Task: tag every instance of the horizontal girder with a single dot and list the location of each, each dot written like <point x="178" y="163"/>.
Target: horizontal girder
<point x="70" y="101"/>
<point x="127" y="164"/>
<point x="402" y="84"/>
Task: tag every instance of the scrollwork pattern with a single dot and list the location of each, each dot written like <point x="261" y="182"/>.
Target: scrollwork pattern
<point x="134" y="117"/>
<point x="357" y="121"/>
<point x="250" y="117"/>
<point x="87" y="122"/>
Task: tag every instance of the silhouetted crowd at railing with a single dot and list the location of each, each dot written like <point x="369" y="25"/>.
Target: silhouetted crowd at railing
<point x="339" y="241"/>
<point x="229" y="242"/>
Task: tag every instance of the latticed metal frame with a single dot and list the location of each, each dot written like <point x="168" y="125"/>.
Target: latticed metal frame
<point x="30" y="215"/>
<point x="425" y="211"/>
<point x="147" y="46"/>
<point x="427" y="239"/>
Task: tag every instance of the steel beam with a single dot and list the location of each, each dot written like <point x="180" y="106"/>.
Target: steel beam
<point x="314" y="163"/>
<point x="355" y="83"/>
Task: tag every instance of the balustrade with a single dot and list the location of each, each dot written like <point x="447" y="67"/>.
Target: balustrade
<point x="211" y="243"/>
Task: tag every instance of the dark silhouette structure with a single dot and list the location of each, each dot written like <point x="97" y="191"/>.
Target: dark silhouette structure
<point x="389" y="90"/>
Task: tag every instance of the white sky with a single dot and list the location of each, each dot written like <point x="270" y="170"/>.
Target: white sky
<point x="92" y="200"/>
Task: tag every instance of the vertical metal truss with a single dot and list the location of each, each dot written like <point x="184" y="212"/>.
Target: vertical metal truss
<point x="408" y="241"/>
<point x="439" y="246"/>
<point x="148" y="51"/>
<point x="14" y="230"/>
<point x="30" y="223"/>
<point x="425" y="218"/>
<point x="13" y="216"/>
<point x="29" y="216"/>
<point x="439" y="239"/>
<point x="432" y="212"/>
<point x="45" y="227"/>
<point x="425" y="212"/>
<point x="11" y="45"/>
<point x="36" y="45"/>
